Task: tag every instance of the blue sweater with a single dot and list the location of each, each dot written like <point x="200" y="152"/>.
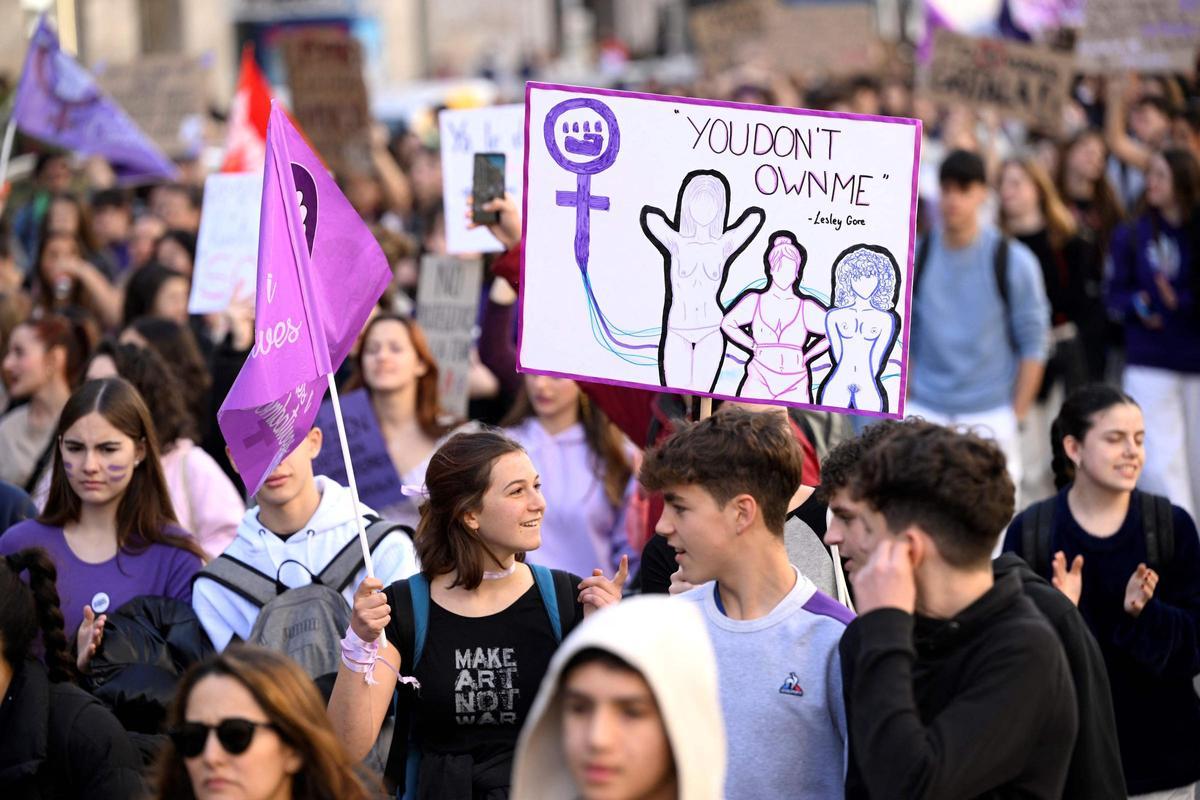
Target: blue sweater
<point x="1151" y="658"/>
<point x="962" y="358"/>
<point x="1137" y="256"/>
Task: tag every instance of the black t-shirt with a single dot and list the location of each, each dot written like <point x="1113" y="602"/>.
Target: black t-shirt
<point x="479" y="675"/>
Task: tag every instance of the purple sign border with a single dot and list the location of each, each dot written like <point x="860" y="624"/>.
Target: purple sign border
<point x="693" y="101"/>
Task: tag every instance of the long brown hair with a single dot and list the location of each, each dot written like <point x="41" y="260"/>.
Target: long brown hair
<point x="430" y="416"/>
<point x="56" y="330"/>
<point x="1060" y="222"/>
<point x="458" y="475"/>
<point x="1106" y="207"/>
<point x="292" y="704"/>
<point x="145" y="513"/>
<point x="603" y="440"/>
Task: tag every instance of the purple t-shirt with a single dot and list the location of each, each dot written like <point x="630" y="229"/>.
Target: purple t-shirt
<point x="160" y="570"/>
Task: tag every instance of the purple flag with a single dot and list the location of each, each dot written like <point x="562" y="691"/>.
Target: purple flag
<point x="58" y="101"/>
<point x="320" y="272"/>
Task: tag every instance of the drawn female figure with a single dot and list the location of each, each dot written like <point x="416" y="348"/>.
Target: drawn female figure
<point x="698" y="248"/>
<point x="861" y="327"/>
<point x="780" y="319"/>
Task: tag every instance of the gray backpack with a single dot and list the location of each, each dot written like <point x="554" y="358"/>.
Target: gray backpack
<point x="305" y="623"/>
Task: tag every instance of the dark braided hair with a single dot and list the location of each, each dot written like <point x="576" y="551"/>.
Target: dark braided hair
<point x="1075" y="419"/>
<point x="26" y="608"/>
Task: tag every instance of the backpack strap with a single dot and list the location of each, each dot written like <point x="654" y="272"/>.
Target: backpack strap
<point x="919" y="263"/>
<point x="241" y="579"/>
<point x="1000" y="268"/>
<point x="418" y="589"/>
<point x="555" y="588"/>
<point x="1158" y="526"/>
<point x="1037" y="526"/>
<point x="342" y="568"/>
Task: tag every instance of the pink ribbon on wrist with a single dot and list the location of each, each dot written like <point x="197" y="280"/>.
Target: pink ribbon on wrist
<point x="361" y="656"/>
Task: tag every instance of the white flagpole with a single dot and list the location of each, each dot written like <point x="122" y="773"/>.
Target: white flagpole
<point x="358" y="520"/>
<point x="10" y="133"/>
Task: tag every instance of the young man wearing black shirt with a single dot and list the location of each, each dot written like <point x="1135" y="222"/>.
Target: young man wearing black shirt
<point x="956" y="686"/>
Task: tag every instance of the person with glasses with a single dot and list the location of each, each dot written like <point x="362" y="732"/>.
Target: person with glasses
<point x="272" y="739"/>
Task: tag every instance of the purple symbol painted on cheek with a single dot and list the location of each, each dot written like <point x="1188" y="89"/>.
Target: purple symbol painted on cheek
<point x="117" y="471"/>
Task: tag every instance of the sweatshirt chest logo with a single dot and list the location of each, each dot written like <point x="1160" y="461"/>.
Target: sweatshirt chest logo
<point x="792" y="686"/>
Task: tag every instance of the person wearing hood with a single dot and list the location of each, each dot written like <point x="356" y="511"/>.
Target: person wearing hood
<point x="300" y="524"/>
<point x="628" y="710"/>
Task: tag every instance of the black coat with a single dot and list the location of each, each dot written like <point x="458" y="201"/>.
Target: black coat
<point x="1095" y="769"/>
<point x="977" y="706"/>
<point x="57" y="741"/>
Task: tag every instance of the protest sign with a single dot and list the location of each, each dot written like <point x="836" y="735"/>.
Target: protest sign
<point x="447" y="304"/>
<point x="834" y="38"/>
<point x="719" y="249"/>
<point x="378" y="481"/>
<point x="1144" y="35"/>
<point x="329" y="96"/>
<point x="1031" y="83"/>
<point x="167" y="96"/>
<point x="227" y="245"/>
<point x="496" y="129"/>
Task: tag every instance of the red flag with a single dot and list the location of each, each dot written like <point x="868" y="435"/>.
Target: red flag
<point x="246" y="145"/>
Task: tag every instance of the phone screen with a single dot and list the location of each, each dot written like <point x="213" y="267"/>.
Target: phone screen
<point x="487" y="185"/>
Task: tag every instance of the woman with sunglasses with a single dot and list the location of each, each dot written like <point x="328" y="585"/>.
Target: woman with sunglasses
<point x="272" y="739"/>
<point x="55" y="739"/>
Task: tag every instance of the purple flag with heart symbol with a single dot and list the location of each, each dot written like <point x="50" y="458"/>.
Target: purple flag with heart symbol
<point x="59" y="102"/>
<point x="320" y="272"/>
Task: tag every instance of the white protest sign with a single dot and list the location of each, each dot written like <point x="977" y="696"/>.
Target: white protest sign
<point x="495" y="129"/>
<point x="701" y="247"/>
<point x="447" y="305"/>
<point x="227" y="244"/>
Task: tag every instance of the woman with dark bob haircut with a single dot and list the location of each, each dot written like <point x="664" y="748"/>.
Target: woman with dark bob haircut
<point x="272" y="739"/>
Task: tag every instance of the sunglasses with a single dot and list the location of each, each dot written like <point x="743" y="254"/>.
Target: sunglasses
<point x="234" y="734"/>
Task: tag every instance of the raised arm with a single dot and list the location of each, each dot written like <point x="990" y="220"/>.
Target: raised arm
<point x="743" y="230"/>
<point x="659" y="230"/>
<point x="1123" y="146"/>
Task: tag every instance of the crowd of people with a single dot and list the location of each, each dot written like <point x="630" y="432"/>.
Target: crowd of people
<point x="586" y="590"/>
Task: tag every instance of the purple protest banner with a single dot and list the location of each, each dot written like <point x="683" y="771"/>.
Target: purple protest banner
<point x="320" y="272"/>
<point x="59" y="102"/>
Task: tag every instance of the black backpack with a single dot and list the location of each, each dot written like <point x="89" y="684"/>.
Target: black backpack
<point x="1158" y="526"/>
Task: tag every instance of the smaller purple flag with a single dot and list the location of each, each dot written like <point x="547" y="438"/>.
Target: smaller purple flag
<point x="320" y="272"/>
<point x="59" y="102"/>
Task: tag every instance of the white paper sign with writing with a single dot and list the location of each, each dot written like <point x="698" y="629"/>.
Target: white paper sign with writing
<point x="447" y="305"/>
<point x="227" y="245"/>
<point x="702" y="247"/>
<point x="496" y="129"/>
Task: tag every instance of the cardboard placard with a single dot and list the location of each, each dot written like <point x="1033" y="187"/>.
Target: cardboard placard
<point x="329" y="96"/>
<point x="447" y="306"/>
<point x="227" y="244"/>
<point x="720" y="249"/>
<point x="835" y="38"/>
<point x="1031" y="83"/>
<point x="374" y="472"/>
<point x="1143" y="35"/>
<point x="166" y="95"/>
<point x="494" y="129"/>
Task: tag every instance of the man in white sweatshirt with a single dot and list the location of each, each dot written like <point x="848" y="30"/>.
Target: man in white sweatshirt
<point x="300" y="524"/>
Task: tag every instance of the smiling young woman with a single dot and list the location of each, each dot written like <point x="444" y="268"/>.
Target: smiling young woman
<point x="108" y="524"/>
<point x="490" y="634"/>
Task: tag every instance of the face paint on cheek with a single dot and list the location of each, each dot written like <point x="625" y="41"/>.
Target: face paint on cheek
<point x="117" y="472"/>
<point x="69" y="467"/>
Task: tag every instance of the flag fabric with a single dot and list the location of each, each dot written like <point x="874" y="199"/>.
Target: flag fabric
<point x="59" y="102"/>
<point x="320" y="272"/>
<point x="246" y="144"/>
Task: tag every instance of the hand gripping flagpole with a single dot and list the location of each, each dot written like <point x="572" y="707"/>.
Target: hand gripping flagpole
<point x="10" y="133"/>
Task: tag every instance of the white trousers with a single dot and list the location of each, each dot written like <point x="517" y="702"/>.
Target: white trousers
<point x="1037" y="476"/>
<point x="1170" y="404"/>
<point x="1182" y="793"/>
<point x="998" y="424"/>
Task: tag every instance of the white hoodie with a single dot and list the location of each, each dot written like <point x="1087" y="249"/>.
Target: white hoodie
<point x="224" y="613"/>
<point x="667" y="641"/>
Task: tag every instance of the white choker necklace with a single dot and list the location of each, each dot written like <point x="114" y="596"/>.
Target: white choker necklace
<point x="498" y="574"/>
